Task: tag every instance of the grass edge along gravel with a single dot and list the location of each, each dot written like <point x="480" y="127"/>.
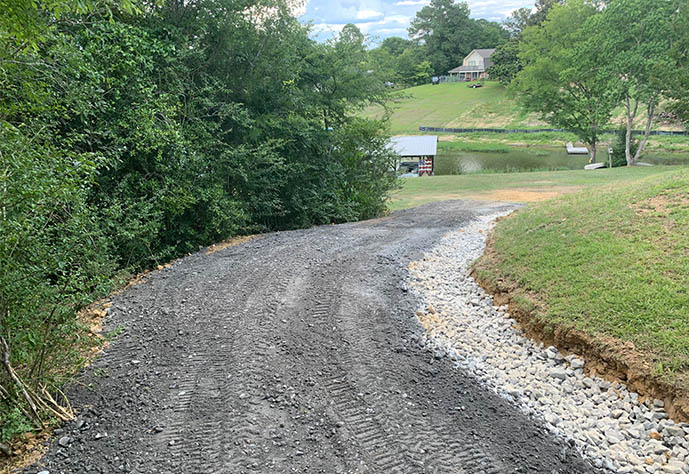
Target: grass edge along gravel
<point x="516" y="187"/>
<point x="606" y="271"/>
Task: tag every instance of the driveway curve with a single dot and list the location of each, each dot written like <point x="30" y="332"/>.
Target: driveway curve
<point x="295" y="352"/>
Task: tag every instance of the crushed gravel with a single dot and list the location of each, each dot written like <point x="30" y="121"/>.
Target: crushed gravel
<point x="606" y="422"/>
<point x="296" y="352"/>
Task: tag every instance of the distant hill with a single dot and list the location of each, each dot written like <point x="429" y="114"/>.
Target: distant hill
<point x="454" y="105"/>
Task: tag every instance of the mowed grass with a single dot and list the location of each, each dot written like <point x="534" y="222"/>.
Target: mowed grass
<point x="454" y="105"/>
<point x="612" y="262"/>
<point x="517" y="187"/>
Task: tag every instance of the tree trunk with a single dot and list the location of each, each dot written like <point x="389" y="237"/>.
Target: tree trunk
<point x="631" y="115"/>
<point x="592" y="151"/>
<point x="647" y="131"/>
<point x="325" y="120"/>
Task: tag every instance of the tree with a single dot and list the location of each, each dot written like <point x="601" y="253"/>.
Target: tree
<point x="446" y="31"/>
<point x="408" y="67"/>
<point x="395" y="45"/>
<point x="505" y="62"/>
<point x="563" y="79"/>
<point x="446" y="34"/>
<point x="634" y="38"/>
<point x="491" y="34"/>
<point x="678" y="87"/>
<point x="126" y="141"/>
<point x="24" y="22"/>
<point x="422" y="73"/>
<point x="342" y="81"/>
<point x="518" y="21"/>
<point x="541" y="10"/>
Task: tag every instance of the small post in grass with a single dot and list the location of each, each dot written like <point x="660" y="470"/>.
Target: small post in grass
<point x="610" y="157"/>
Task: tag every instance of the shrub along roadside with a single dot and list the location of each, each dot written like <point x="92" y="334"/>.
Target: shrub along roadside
<point x="611" y="263"/>
<point x="128" y="141"/>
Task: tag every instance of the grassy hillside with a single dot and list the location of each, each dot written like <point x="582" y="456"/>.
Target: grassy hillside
<point x="612" y="263"/>
<point x="517" y="187"/>
<point x="455" y="105"/>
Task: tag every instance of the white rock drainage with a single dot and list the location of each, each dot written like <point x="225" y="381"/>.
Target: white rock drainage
<point x="605" y="421"/>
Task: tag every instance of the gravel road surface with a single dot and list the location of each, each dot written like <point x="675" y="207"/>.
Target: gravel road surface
<point x="295" y="352"/>
<point x="615" y="428"/>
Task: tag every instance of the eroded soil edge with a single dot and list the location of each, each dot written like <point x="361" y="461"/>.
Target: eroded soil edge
<point x="606" y="357"/>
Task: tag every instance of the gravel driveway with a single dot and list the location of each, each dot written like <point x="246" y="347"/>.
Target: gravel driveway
<point x="295" y="352"/>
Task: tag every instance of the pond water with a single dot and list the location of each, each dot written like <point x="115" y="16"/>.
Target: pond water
<point x="532" y="159"/>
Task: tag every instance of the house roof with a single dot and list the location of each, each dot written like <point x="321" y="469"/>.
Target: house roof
<point x="485" y="53"/>
<point x="417" y="145"/>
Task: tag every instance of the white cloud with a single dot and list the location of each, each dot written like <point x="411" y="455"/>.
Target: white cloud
<point x="328" y="27"/>
<point x="396" y="19"/>
<point x="368" y="14"/>
<point x="385" y="18"/>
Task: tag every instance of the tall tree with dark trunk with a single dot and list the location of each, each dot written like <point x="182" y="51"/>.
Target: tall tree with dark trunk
<point x="635" y="38"/>
<point x="446" y="31"/>
<point x="563" y="78"/>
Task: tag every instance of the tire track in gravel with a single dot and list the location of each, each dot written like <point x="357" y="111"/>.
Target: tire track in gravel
<point x="194" y="431"/>
<point x="390" y="448"/>
<point x="296" y="352"/>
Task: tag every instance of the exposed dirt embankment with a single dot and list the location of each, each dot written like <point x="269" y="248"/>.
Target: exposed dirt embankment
<point x="606" y="357"/>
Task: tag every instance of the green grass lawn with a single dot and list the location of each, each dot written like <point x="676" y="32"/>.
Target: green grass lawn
<point x="611" y="262"/>
<point x="519" y="187"/>
<point x="454" y="105"/>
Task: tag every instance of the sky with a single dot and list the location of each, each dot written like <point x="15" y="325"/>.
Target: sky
<point x="381" y="19"/>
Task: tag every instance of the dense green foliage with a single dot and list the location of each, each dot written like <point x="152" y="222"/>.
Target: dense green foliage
<point x="635" y="37"/>
<point x="506" y="63"/>
<point x="619" y="157"/>
<point x="584" y="60"/>
<point x="559" y="80"/>
<point x="678" y="87"/>
<point x="128" y="140"/>
<point x="401" y="62"/>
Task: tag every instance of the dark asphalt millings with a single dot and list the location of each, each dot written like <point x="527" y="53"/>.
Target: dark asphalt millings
<point x="295" y="352"/>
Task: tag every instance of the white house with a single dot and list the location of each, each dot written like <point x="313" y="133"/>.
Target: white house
<point x="474" y="67"/>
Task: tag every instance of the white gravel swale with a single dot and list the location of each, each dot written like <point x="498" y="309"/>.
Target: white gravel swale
<point x="605" y="421"/>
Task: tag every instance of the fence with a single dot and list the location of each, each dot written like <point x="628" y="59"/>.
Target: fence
<point x="541" y="130"/>
<point x="451" y="79"/>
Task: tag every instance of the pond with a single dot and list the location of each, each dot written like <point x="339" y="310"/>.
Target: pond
<point x="532" y="159"/>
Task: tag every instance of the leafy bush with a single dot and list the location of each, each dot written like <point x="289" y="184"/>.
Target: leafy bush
<point x="619" y="157"/>
<point x="129" y="141"/>
<point x="54" y="260"/>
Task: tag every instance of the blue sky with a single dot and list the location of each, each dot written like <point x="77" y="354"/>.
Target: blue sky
<point x="383" y="18"/>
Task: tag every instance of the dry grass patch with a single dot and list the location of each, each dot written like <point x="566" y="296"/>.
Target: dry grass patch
<point x="526" y="195"/>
